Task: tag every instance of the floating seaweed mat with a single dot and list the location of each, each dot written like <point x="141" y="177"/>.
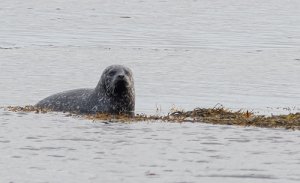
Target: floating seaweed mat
<point x="217" y="115"/>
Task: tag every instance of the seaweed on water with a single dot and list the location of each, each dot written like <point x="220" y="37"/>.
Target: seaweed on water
<point x="216" y="115"/>
<point x="27" y="108"/>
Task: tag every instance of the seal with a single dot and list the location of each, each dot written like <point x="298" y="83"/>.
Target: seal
<point x="114" y="94"/>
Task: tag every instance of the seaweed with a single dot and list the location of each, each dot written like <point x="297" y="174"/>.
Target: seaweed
<point x="216" y="115"/>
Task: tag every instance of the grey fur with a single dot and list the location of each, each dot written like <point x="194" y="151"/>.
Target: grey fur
<point x="114" y="94"/>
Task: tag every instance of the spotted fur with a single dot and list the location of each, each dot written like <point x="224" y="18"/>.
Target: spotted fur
<point x="114" y="94"/>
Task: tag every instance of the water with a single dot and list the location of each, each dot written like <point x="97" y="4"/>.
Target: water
<point x="187" y="54"/>
<point x="55" y="148"/>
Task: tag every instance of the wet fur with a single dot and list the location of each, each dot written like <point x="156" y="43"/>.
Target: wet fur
<point x="114" y="94"/>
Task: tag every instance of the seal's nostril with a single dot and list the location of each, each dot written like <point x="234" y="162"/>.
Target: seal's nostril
<point x="120" y="76"/>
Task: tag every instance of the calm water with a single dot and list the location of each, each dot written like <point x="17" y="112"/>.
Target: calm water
<point x="242" y="54"/>
<point x="55" y="148"/>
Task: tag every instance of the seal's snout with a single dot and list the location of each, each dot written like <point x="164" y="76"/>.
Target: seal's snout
<point x="121" y="81"/>
<point x="121" y="76"/>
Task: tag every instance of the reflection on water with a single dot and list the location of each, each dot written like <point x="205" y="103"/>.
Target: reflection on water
<point x="52" y="147"/>
<point x="193" y="53"/>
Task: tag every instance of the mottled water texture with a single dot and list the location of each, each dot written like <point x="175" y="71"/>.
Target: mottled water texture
<point x="184" y="54"/>
<point x="55" y="148"/>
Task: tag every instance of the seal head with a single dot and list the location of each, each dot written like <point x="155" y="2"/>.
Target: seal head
<point x="116" y="87"/>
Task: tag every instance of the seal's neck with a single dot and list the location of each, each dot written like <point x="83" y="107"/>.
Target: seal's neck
<point x="104" y="96"/>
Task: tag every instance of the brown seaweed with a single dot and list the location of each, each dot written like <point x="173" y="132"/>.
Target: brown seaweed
<point x="216" y="115"/>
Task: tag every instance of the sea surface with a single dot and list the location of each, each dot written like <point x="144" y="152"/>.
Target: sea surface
<point x="242" y="54"/>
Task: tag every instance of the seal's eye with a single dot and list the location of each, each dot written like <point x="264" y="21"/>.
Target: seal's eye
<point x="127" y="72"/>
<point x="111" y="73"/>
